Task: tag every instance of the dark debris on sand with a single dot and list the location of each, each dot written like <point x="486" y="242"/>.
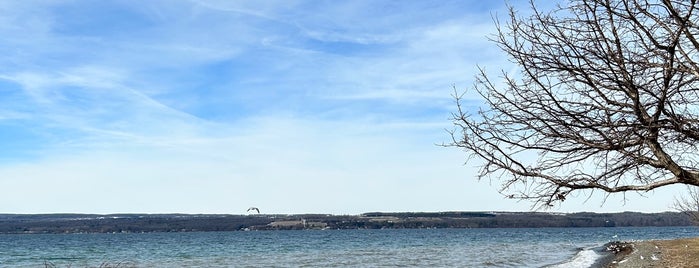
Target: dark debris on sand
<point x="619" y="247"/>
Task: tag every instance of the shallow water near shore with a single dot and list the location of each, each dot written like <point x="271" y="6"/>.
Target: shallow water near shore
<point x="525" y="247"/>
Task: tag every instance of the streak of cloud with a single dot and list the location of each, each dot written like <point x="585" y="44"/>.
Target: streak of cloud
<point x="211" y="106"/>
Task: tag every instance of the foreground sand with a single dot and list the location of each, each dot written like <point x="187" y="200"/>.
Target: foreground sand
<point x="660" y="253"/>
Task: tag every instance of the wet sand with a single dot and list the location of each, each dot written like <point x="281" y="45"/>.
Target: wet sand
<point x="659" y="253"/>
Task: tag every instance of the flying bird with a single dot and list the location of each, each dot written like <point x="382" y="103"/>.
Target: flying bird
<point x="254" y="209"/>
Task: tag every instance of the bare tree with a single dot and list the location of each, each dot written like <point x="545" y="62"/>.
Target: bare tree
<point x="606" y="98"/>
<point x="689" y="204"/>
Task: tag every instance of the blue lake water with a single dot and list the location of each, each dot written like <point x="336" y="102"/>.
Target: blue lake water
<point x="325" y="248"/>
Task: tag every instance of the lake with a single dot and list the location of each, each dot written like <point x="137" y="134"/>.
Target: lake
<point x="521" y="247"/>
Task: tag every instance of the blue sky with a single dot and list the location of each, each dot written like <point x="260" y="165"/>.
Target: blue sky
<point x="215" y="106"/>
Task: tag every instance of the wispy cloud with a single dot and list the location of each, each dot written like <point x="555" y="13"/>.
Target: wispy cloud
<point x="213" y="106"/>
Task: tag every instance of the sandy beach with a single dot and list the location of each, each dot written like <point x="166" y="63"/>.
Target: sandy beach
<point x="659" y="253"/>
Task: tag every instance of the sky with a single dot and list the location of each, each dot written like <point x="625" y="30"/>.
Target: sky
<point x="207" y="106"/>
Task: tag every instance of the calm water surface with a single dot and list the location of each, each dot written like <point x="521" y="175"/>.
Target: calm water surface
<point x="328" y="248"/>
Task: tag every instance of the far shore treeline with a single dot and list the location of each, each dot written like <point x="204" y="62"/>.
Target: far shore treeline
<point x="138" y="223"/>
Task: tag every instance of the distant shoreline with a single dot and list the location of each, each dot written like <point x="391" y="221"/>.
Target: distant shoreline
<point x="140" y="223"/>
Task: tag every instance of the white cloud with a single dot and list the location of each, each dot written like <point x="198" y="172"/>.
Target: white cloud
<point x="282" y="165"/>
<point x="214" y="106"/>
